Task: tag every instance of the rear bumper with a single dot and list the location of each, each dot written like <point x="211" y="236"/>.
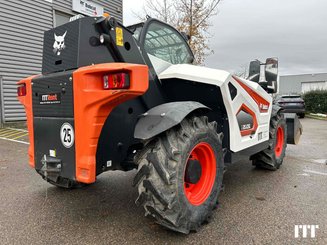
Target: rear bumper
<point x="294" y="110"/>
<point x="91" y="107"/>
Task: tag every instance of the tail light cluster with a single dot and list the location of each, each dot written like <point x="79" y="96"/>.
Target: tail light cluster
<point x="110" y="81"/>
<point x="21" y="90"/>
<point x="116" y="81"/>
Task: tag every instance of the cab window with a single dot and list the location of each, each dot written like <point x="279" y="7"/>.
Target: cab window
<point x="166" y="43"/>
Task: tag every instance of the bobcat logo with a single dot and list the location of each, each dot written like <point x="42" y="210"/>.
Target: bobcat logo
<point x="59" y="43"/>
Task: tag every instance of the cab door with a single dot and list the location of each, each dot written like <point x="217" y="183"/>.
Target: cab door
<point x="163" y="45"/>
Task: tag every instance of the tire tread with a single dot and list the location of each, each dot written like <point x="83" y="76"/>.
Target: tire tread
<point x="156" y="189"/>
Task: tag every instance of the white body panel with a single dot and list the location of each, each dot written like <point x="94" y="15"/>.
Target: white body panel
<point x="221" y="79"/>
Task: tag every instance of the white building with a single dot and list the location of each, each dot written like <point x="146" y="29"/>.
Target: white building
<point x="302" y="83"/>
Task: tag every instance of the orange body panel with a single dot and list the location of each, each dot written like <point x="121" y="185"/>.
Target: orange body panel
<point x="255" y="122"/>
<point x="93" y="104"/>
<point x="261" y="102"/>
<point x="27" y="102"/>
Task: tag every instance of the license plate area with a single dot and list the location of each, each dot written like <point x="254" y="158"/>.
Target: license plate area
<point x="50" y="134"/>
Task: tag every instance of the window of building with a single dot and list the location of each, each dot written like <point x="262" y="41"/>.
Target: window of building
<point x="61" y="18"/>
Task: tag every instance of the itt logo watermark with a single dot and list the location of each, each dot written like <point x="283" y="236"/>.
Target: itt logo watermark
<point x="305" y="231"/>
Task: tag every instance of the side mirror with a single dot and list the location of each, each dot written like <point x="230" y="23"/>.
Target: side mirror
<point x="271" y="89"/>
<point x="271" y="74"/>
<point x="254" y="71"/>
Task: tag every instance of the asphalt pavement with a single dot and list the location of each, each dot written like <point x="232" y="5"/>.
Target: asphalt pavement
<point x="256" y="207"/>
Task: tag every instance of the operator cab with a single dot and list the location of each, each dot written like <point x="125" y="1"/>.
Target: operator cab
<point x="162" y="43"/>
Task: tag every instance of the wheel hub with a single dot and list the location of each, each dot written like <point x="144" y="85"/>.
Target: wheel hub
<point x="193" y="171"/>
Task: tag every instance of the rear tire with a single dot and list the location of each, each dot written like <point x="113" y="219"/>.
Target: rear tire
<point x="272" y="157"/>
<point x="301" y="115"/>
<point x="161" y="179"/>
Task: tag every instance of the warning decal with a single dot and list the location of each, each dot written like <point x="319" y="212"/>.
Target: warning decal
<point x="119" y="36"/>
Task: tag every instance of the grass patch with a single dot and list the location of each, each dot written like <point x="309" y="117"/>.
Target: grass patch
<point x="316" y="117"/>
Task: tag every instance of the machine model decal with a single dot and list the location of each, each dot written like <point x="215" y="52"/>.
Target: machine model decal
<point x="259" y="136"/>
<point x="261" y="102"/>
<point x="50" y="99"/>
<point x="59" y="43"/>
<point x="247" y="120"/>
<point x="67" y="135"/>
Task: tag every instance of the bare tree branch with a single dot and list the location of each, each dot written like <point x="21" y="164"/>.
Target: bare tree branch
<point x="210" y="12"/>
<point x="190" y="16"/>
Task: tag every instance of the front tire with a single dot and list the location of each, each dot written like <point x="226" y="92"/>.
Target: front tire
<point x="171" y="187"/>
<point x="272" y="157"/>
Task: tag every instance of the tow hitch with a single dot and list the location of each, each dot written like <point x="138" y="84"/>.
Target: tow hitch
<point x="51" y="168"/>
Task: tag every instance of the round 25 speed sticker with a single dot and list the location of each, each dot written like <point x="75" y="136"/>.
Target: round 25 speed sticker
<point x="67" y="135"/>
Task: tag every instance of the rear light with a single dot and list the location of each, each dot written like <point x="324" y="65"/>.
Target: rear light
<point x="116" y="81"/>
<point x="21" y="90"/>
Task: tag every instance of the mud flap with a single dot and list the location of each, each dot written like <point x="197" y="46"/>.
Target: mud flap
<point x="163" y="117"/>
<point x="294" y="128"/>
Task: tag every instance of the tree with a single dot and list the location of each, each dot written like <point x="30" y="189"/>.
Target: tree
<point x="243" y="71"/>
<point x="189" y="16"/>
<point x="160" y="9"/>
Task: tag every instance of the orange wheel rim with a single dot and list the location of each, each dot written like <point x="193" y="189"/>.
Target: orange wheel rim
<point x="280" y="137"/>
<point x="198" y="193"/>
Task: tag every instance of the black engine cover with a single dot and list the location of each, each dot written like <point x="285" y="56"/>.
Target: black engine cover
<point x="73" y="45"/>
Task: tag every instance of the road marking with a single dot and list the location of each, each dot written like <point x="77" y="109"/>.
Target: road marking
<point x="14" y="134"/>
<point x="20" y="136"/>
<point x="6" y="132"/>
<point x="18" y="141"/>
<point x="304" y="174"/>
<point x="322" y="161"/>
<point x="314" y="172"/>
<point x="18" y="129"/>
